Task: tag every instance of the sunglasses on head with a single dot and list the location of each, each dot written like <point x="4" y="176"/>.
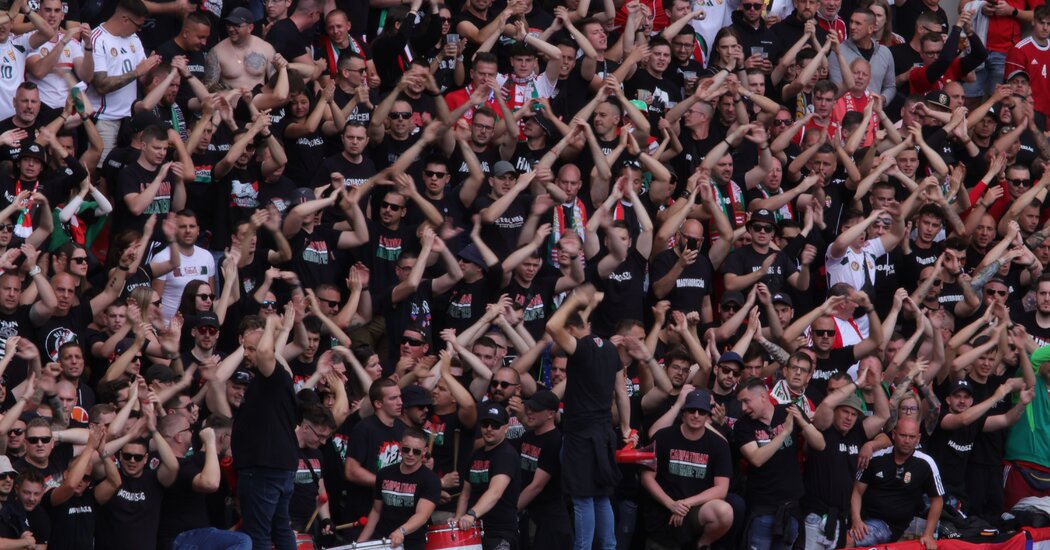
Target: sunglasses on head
<point x="133" y="457"/>
<point x="502" y="384"/>
<point x="45" y="439"/>
<point x="392" y="207"/>
<point x="403" y="115"/>
<point x="208" y="297"/>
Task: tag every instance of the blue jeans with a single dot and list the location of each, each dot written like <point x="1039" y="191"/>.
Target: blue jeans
<point x="760" y="534"/>
<point x="879" y="532"/>
<point x="815" y="539"/>
<point x="628" y="512"/>
<point x="987" y="76"/>
<point x="210" y="538"/>
<point x="265" y="494"/>
<point x="591" y="513"/>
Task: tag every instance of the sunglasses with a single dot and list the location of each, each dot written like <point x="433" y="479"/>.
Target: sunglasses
<point x="8" y="475"/>
<point x="823" y="333"/>
<point x="762" y="228"/>
<point x="701" y="412"/>
<point x="133" y="457"/>
<point x="400" y="115"/>
<point x="730" y="370"/>
<point x="329" y="303"/>
<point x="433" y="174"/>
<point x="756" y="6"/>
<point x="43" y="440"/>
<point x="502" y="384"/>
<point x="392" y="207"/>
<point x="136" y="359"/>
<point x="269" y="304"/>
<point x="938" y="282"/>
<point x="79" y="260"/>
<point x="208" y="331"/>
<point x="992" y="292"/>
<point x="1020" y="182"/>
<point x="208" y="297"/>
<point x="489" y="425"/>
<point x="731" y="307"/>
<point x="412" y="342"/>
<point x="15" y="432"/>
<point x="781" y="122"/>
<point x="412" y="451"/>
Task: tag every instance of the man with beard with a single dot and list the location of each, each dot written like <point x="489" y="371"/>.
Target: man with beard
<point x="830" y="472"/>
<point x="757" y="262"/>
<point x="162" y="92"/>
<point x="415" y="406"/>
<point x="505" y="390"/>
<point x="205" y="335"/>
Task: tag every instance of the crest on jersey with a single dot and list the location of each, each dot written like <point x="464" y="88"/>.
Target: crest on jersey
<point x="113" y="52"/>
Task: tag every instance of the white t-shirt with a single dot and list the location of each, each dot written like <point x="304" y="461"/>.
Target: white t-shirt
<point x="115" y="56"/>
<point x="200" y="266"/>
<point x="850" y="268"/>
<point x="12" y="71"/>
<point x="53" y="87"/>
<point x="717" y="14"/>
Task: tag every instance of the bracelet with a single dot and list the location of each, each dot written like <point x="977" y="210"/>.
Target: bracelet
<point x="726" y="141"/>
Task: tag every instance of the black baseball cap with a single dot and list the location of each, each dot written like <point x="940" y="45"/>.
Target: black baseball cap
<point x="543" y="400"/>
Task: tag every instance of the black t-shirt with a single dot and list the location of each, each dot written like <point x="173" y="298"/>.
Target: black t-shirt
<point x="195" y="62"/>
<point x="133" y="178"/>
<point x="183" y="508"/>
<point x="952" y="449"/>
<point x="894" y="492"/>
<point x="778" y="480"/>
<point x="305" y="154"/>
<point x="746" y="260"/>
<point x="286" y="39"/>
<point x="466" y="301"/>
<point x="916" y="261"/>
<point x="486" y="464"/>
<point x="838" y="360"/>
<point x="386" y="245"/>
<point x="354" y="174"/>
<point x="72" y="522"/>
<point x="57" y="462"/>
<point x="264" y="426"/>
<point x="314" y="255"/>
<point x="401" y="494"/>
<point x="589" y="391"/>
<point x="10" y="152"/>
<point x="374" y="446"/>
<point x="502" y="235"/>
<point x="694" y="283"/>
<point x="687" y="467"/>
<point x="415" y="309"/>
<point x="60" y="330"/>
<point x="537" y="299"/>
<point x="624" y="290"/>
<point x="830" y="472"/>
<point x="543" y="452"/>
<point x="307" y="484"/>
<point x="130" y="519"/>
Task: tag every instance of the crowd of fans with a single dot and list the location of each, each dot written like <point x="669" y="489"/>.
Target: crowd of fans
<point x="643" y="274"/>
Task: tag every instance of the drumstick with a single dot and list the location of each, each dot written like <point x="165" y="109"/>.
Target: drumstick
<point x="321" y="500"/>
<point x="360" y="521"/>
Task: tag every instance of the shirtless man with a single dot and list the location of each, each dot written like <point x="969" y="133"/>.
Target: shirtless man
<point x="241" y="60"/>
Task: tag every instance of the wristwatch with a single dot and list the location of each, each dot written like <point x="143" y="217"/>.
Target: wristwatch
<point x="472" y="514"/>
<point x="35" y="271"/>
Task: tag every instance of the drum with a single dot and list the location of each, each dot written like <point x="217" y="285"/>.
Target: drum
<point x="449" y="536"/>
<point x="304" y="542"/>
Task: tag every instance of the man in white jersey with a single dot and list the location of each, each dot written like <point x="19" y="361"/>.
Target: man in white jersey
<point x="60" y="62"/>
<point x="13" y="51"/>
<point x="120" y="61"/>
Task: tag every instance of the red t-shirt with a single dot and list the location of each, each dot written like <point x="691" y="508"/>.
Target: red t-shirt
<point x="918" y="84"/>
<point x="1032" y="58"/>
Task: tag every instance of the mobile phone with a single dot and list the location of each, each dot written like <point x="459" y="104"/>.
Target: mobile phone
<point x="758" y="50"/>
<point x="452" y="38"/>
